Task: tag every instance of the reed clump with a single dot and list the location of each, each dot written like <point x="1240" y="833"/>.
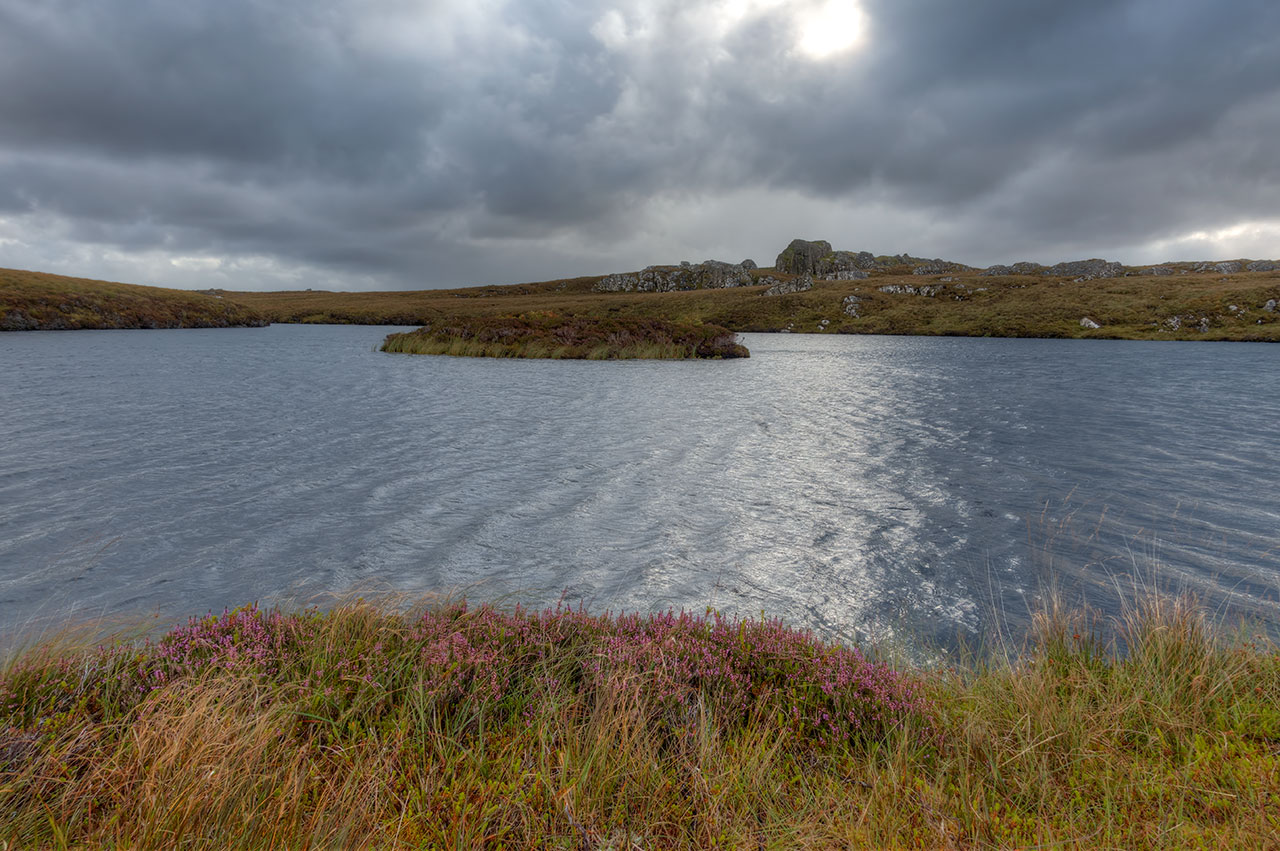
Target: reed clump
<point x="544" y="334"/>
<point x="369" y="725"/>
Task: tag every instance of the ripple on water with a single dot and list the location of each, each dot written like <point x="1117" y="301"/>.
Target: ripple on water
<point x="868" y="487"/>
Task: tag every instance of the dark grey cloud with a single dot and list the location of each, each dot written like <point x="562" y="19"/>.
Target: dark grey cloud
<point x="407" y="143"/>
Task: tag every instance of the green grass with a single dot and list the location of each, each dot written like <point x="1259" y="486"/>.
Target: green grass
<point x="545" y="335"/>
<point x="36" y="301"/>
<point x="446" y="726"/>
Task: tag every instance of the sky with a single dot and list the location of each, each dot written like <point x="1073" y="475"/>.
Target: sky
<point x="410" y="144"/>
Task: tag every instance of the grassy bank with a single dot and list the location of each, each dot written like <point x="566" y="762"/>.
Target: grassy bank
<point x="1193" y="306"/>
<point x="1183" y="306"/>
<point x="32" y="301"/>
<point x="457" y="727"/>
<point x="545" y="335"/>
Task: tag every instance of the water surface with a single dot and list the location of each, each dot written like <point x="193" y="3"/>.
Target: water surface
<point x="868" y="487"/>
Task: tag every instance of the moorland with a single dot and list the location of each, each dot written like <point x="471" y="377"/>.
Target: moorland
<point x="822" y="292"/>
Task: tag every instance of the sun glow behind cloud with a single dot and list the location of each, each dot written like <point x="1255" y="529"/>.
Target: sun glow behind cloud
<point x="821" y="28"/>
<point x="832" y="27"/>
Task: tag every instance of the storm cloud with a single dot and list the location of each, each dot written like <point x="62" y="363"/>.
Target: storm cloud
<point x="365" y="144"/>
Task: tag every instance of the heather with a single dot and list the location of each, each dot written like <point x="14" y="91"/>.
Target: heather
<point x="541" y="334"/>
<point x="459" y="726"/>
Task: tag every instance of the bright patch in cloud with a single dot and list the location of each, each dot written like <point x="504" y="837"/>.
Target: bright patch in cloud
<point x="196" y="262"/>
<point x="1250" y="239"/>
<point x="832" y="27"/>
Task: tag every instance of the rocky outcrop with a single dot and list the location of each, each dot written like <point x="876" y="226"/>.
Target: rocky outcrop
<point x="928" y="290"/>
<point x="1158" y="271"/>
<point x="801" y="257"/>
<point x="852" y="306"/>
<point x="1088" y="324"/>
<point x="1262" y="266"/>
<point x="16" y="320"/>
<point x="1020" y="268"/>
<point x="710" y="274"/>
<point x="845" y="265"/>
<point x="795" y="285"/>
<point x="1086" y="270"/>
<point x="816" y="258"/>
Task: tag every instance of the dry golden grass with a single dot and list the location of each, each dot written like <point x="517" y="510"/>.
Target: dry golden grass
<point x="1135" y="307"/>
<point x="37" y="300"/>
<point x="1174" y="307"/>
<point x="469" y="728"/>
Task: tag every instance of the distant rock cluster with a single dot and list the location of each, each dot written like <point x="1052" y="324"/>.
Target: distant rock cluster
<point x="805" y="261"/>
<point x="818" y="259"/>
<point x="709" y="274"/>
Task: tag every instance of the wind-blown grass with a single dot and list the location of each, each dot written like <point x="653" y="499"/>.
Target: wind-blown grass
<point x="548" y="335"/>
<point x="470" y="727"/>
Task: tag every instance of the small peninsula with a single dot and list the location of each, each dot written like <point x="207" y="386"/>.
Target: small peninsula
<point x="548" y="335"/>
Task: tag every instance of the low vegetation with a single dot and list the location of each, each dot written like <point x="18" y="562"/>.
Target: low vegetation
<point x="448" y="726"/>
<point x="547" y="335"/>
<point x="1192" y="306"/>
<point x="32" y="301"/>
<point x="1187" y="305"/>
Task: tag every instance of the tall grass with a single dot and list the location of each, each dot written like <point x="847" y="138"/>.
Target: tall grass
<point x="460" y="727"/>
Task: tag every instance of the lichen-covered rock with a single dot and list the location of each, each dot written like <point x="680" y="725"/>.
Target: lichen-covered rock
<point x="1158" y="271"/>
<point x="1230" y="267"/>
<point x="832" y="266"/>
<point x="1086" y="270"/>
<point x="1262" y="266"/>
<point x="938" y="267"/>
<point x="801" y="257"/>
<point x="1088" y="324"/>
<point x="710" y="274"/>
<point x="795" y="285"/>
<point x="847" y="275"/>
<point x="929" y="290"/>
<point x="852" y="305"/>
<point x="1270" y="306"/>
<point x="749" y="264"/>
<point x="1022" y="267"/>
